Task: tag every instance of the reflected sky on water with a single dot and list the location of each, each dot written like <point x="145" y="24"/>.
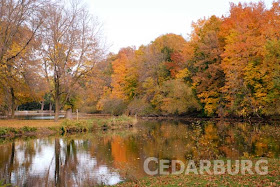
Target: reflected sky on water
<point x="109" y="157"/>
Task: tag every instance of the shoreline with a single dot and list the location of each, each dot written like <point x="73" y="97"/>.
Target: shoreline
<point x="152" y="117"/>
<point x="195" y="119"/>
<point x="17" y="128"/>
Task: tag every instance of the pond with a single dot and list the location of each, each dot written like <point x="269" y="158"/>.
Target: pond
<point x="37" y="117"/>
<point x="109" y="157"/>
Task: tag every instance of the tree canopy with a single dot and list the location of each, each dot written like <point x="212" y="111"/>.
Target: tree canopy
<point x="228" y="66"/>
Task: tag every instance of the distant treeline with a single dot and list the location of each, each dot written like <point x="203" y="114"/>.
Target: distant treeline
<point x="229" y="66"/>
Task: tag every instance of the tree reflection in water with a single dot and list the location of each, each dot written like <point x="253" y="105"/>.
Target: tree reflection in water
<point x="112" y="156"/>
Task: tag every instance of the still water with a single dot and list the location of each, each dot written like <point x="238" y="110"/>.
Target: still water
<point x="37" y="117"/>
<point x="109" y="157"/>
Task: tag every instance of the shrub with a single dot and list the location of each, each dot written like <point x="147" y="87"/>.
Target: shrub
<point x="140" y="108"/>
<point x="28" y="129"/>
<point x="3" y="131"/>
<point x="11" y="130"/>
<point x="114" y="107"/>
<point x="74" y="126"/>
<point x="175" y="97"/>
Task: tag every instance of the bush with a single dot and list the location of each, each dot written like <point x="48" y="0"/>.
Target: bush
<point x="9" y="130"/>
<point x="74" y="126"/>
<point x="28" y="129"/>
<point x="16" y="131"/>
<point x="175" y="97"/>
<point x="89" y="109"/>
<point x="3" y="131"/>
<point x="140" y="107"/>
<point x="114" y="107"/>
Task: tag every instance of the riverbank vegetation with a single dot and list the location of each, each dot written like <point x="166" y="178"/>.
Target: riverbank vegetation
<point x="16" y="131"/>
<point x="228" y="66"/>
<point x="33" y="127"/>
<point x="71" y="126"/>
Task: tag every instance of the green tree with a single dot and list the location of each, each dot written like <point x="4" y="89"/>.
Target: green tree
<point x="175" y="97"/>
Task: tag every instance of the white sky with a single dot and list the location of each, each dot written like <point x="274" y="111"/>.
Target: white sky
<point x="136" y="22"/>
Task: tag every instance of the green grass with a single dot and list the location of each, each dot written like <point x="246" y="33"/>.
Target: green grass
<point x="72" y="126"/>
<point x="111" y="122"/>
<point x="2" y="184"/>
<point x="68" y="126"/>
<point x="271" y="179"/>
<point x="16" y="131"/>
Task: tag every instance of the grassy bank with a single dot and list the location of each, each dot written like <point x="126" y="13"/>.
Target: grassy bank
<point x="70" y="126"/>
<point x="30" y="123"/>
<point x="271" y="179"/>
<point x="10" y="128"/>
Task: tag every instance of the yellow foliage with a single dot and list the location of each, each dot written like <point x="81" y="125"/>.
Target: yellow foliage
<point x="184" y="73"/>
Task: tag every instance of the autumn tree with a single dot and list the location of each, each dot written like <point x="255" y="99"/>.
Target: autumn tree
<point x="124" y="77"/>
<point x="19" y="24"/>
<point x="160" y="61"/>
<point x="70" y="47"/>
<point x="175" y="97"/>
<point x="208" y="75"/>
<point x="268" y="89"/>
<point x="93" y="85"/>
<point x="244" y="44"/>
<point x="164" y="57"/>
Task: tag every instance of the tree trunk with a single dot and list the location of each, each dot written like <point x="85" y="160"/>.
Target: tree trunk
<point x="57" y="109"/>
<point x="13" y="105"/>
<point x="42" y="105"/>
<point x="50" y="107"/>
<point x="56" y="96"/>
<point x="69" y="114"/>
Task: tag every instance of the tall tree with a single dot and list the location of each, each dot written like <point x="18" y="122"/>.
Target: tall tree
<point x="208" y="77"/>
<point x="268" y="90"/>
<point x="242" y="57"/>
<point x="70" y="47"/>
<point x="19" y="24"/>
<point x="124" y="77"/>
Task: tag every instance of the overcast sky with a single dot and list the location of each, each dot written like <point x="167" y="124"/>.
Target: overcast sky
<point x="137" y="22"/>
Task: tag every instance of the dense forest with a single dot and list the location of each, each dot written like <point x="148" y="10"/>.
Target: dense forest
<point x="54" y="54"/>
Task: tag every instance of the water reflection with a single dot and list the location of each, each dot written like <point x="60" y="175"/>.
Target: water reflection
<point x="110" y="157"/>
<point x="37" y="117"/>
<point x="53" y="162"/>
